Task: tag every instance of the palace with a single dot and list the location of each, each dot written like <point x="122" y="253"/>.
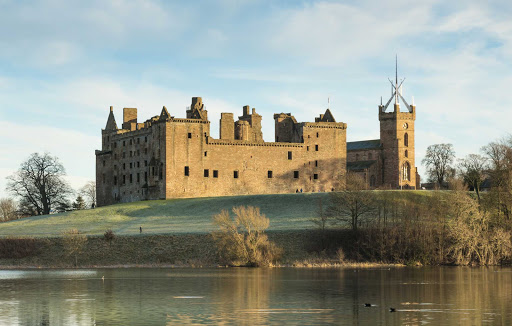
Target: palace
<point x="166" y="157"/>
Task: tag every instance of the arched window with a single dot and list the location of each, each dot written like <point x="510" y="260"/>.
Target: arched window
<point x="406" y="172"/>
<point x="406" y="140"/>
<point x="406" y="153"/>
<point x="373" y="180"/>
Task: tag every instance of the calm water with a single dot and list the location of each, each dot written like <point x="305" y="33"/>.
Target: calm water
<point x="421" y="296"/>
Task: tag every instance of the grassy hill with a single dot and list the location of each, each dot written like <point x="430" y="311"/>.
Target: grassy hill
<point x="176" y="216"/>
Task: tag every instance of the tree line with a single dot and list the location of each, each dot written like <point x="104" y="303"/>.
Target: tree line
<point x="39" y="187"/>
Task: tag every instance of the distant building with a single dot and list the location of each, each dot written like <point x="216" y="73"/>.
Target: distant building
<point x="167" y="157"/>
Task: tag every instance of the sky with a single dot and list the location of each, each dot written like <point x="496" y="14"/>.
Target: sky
<point x="64" y="63"/>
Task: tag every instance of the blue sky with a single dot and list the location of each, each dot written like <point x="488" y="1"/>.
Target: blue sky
<point x="63" y="63"/>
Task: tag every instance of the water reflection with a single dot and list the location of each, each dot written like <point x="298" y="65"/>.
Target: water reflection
<point x="436" y="296"/>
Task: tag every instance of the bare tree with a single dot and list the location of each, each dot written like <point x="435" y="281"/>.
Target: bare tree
<point x="8" y="210"/>
<point x="472" y="169"/>
<point x="352" y="204"/>
<point x="438" y="161"/>
<point x="39" y="183"/>
<point x="88" y="191"/>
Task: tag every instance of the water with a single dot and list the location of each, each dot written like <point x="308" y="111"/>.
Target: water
<point x="421" y="296"/>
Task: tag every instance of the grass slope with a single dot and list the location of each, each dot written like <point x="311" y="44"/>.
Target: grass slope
<point x="285" y="211"/>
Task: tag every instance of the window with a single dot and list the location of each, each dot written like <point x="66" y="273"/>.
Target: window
<point x="316" y="163"/>
<point x="124" y="179"/>
<point x="131" y="153"/>
<point x="115" y="144"/>
<point x="138" y="177"/>
<point x="315" y="176"/>
<point x="205" y="154"/>
<point x="104" y="179"/>
<point x="115" y="180"/>
<point x="124" y="143"/>
<point x="406" y="140"/>
<point x="406" y="172"/>
<point x="317" y="135"/>
<point x="215" y="173"/>
<point x="138" y="140"/>
<point x="187" y="171"/>
<point x="103" y="162"/>
<point x="131" y="178"/>
<point x="296" y="174"/>
<point x="138" y="164"/>
<point x="270" y="174"/>
<point x="131" y="165"/>
<point x="189" y="135"/>
<point x="316" y="148"/>
<point x="130" y="141"/>
<point x="146" y="139"/>
<point x="124" y="166"/>
<point x="289" y="155"/>
<point x="235" y="174"/>
<point x="206" y="173"/>
<point x="145" y="176"/>
<point x="406" y="153"/>
<point x="145" y="163"/>
<point x="307" y="148"/>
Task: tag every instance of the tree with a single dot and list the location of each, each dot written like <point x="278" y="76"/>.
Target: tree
<point x="472" y="169"/>
<point x="242" y="240"/>
<point x="88" y="191"/>
<point x="438" y="161"/>
<point x="39" y="183"/>
<point x="8" y="210"/>
<point x="353" y="203"/>
<point x="74" y="243"/>
<point x="79" y="203"/>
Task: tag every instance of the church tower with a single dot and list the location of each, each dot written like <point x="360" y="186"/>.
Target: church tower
<point x="397" y="140"/>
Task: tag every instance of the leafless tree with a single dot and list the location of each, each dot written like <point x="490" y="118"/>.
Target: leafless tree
<point x="438" y="161"/>
<point x="74" y="243"/>
<point x="39" y="183"/>
<point x="353" y="203"/>
<point x="8" y="210"/>
<point x="472" y="169"/>
<point x="88" y="191"/>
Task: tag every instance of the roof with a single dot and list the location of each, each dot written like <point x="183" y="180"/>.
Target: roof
<point x="360" y="165"/>
<point x="363" y="144"/>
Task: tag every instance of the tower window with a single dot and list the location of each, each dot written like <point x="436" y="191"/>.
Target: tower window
<point x="131" y="178"/>
<point x="124" y="179"/>
<point x="206" y="173"/>
<point x="307" y="148"/>
<point x="289" y="155"/>
<point x="138" y="177"/>
<point x="316" y="148"/>
<point x="316" y="163"/>
<point x="205" y="154"/>
<point x="115" y="180"/>
<point x="146" y="139"/>
<point x="317" y="135"/>
<point x="235" y="174"/>
<point x="145" y="177"/>
<point x="187" y="171"/>
<point x="406" y="140"/>
<point x="189" y="135"/>
<point x="315" y="176"/>
<point x="269" y="174"/>
<point x="296" y="174"/>
<point x="215" y="173"/>
<point x="406" y="153"/>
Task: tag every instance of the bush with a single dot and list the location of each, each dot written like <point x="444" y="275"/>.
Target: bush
<point x="18" y="248"/>
<point x="242" y="240"/>
<point x="74" y="242"/>
<point x="109" y="236"/>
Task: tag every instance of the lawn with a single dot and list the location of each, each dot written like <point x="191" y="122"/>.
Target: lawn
<point x="176" y="216"/>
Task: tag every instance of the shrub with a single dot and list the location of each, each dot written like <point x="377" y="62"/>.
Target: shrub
<point x="18" y="248"/>
<point x="109" y="236"/>
<point x="242" y="240"/>
<point x="74" y="243"/>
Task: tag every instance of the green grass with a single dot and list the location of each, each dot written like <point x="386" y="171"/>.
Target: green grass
<point x="176" y="216"/>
